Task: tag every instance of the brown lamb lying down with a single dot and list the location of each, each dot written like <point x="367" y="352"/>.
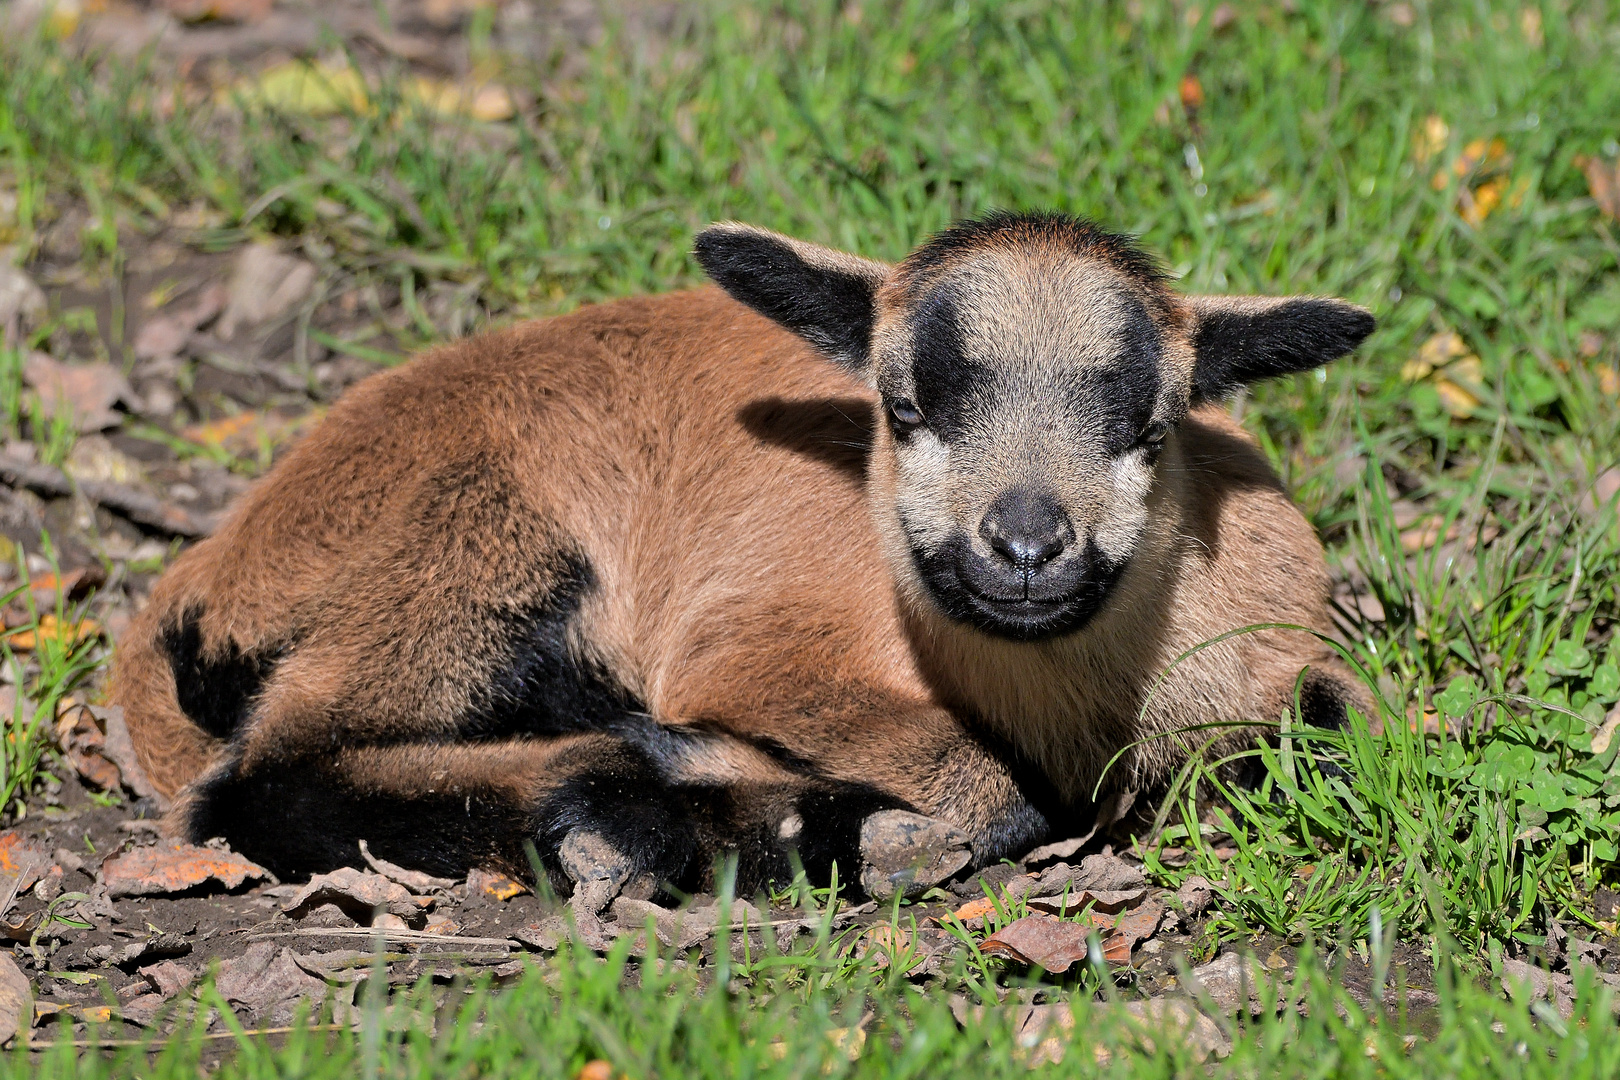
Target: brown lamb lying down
<point x="747" y="570"/>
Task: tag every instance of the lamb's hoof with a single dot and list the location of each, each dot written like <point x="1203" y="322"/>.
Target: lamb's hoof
<point x="907" y="854"/>
<point x="598" y="869"/>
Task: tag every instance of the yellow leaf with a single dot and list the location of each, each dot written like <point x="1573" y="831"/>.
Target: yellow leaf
<point x="1478" y="203"/>
<point x="311" y="89"/>
<point x="68" y="633"/>
<point x="487" y="103"/>
<point x="1430" y="139"/>
<point x="1608" y="380"/>
<point x="1457" y="401"/>
<point x="1435" y="353"/>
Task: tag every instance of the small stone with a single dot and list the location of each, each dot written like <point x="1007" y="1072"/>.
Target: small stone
<point x="1233" y="982"/>
<point x="265" y="284"/>
<point x="22" y="303"/>
<point x="907" y="854"/>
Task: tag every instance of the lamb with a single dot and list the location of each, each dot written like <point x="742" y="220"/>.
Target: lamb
<point x="742" y="571"/>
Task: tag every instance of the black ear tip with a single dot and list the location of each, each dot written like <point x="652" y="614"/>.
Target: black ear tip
<point x="1360" y="324"/>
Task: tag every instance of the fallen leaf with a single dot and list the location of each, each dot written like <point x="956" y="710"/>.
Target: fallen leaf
<point x="52" y="629"/>
<point x="168" y="978"/>
<point x="171" y="866"/>
<point x="164" y="335"/>
<point x="298" y="86"/>
<point x="1530" y="26"/>
<point x="1195" y="895"/>
<point x="494" y="884"/>
<point x="1605" y="734"/>
<point x="234" y="11"/>
<point x="1040" y="941"/>
<point x="884" y="943"/>
<point x="974" y="909"/>
<point x="414" y="880"/>
<point x="267" y="982"/>
<point x="1439" y="350"/>
<point x="245" y="432"/>
<point x="86" y="391"/>
<point x="1430" y="139"/>
<point x="487" y="103"/>
<point x="22" y="303"/>
<point x="1104" y="902"/>
<point x="1603" y="181"/>
<point x="22" y="863"/>
<point x="265" y="284"/>
<point x="119" y="749"/>
<point x="1131" y="928"/>
<point x="595" y="1070"/>
<point x="1191" y="92"/>
<point x="364" y="896"/>
<point x="16" y="1001"/>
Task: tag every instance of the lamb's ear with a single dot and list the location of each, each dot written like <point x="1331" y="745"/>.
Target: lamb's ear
<point x="1239" y="339"/>
<point x="824" y="296"/>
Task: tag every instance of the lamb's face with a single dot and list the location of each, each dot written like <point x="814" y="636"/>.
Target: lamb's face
<point x="1031" y="367"/>
<point x="1029" y="388"/>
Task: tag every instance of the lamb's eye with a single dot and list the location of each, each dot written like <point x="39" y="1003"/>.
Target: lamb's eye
<point x="1153" y="436"/>
<point x="905" y="413"/>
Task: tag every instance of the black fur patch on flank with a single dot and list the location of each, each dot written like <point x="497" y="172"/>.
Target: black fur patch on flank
<point x="298" y="818"/>
<point x="541" y="687"/>
<point x="830" y="309"/>
<point x="215" y="691"/>
<point x="948" y="381"/>
<point x="1236" y="347"/>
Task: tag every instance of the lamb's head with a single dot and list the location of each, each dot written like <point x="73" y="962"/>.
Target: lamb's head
<point x="1033" y="369"/>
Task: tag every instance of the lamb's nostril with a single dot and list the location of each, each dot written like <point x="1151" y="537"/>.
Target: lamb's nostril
<point x="1026" y="529"/>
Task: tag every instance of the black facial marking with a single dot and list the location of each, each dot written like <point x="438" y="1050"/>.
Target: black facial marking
<point x="948" y="381"/>
<point x="215" y="691"/>
<point x="1124" y="393"/>
<point x="1235" y="347"/>
<point x="829" y="308"/>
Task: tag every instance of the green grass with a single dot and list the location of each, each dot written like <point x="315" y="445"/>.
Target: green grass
<point x="650" y="1020"/>
<point x="1308" y="167"/>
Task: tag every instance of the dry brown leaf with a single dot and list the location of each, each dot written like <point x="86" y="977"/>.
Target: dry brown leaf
<point x="1040" y="941"/>
<point x="494" y="884"/>
<point x="165" y="335"/>
<point x="87" y="391"/>
<point x="171" y="866"/>
<point x="1191" y="92"/>
<point x="22" y="863"/>
<point x="366" y="897"/>
<point x="974" y="909"/>
<point x="234" y="11"/>
<point x="245" y="432"/>
<point x="1603" y="181"/>
<point x="267" y="982"/>
<point x="1131" y="928"/>
<point x="1102" y="901"/>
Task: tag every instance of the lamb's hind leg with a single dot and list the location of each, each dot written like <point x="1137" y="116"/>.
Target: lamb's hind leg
<point x="594" y="806"/>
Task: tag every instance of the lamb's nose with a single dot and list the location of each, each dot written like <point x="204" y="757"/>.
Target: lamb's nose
<point x="1026" y="529"/>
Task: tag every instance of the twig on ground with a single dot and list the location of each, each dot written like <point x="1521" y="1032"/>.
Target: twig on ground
<point x="156" y="1045"/>
<point x="140" y="508"/>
